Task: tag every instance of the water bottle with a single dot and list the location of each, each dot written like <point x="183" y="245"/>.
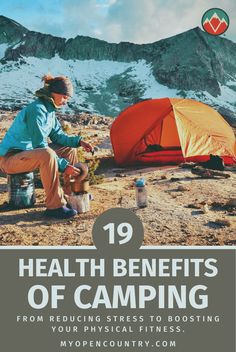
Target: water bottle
<point x="141" y="193"/>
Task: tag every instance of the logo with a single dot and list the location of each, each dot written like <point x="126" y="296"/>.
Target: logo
<point x="215" y="21"/>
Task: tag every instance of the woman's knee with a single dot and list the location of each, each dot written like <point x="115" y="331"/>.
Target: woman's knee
<point x="47" y="153"/>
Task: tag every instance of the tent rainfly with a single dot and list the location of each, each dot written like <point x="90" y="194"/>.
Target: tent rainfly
<point x="171" y="131"/>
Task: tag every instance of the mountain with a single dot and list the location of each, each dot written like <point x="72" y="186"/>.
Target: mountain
<point x="107" y="77"/>
<point x="11" y="31"/>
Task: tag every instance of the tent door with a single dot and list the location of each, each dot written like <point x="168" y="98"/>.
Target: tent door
<point x="165" y="134"/>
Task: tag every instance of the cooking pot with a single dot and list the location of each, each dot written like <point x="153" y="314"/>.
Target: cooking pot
<point x="79" y="186"/>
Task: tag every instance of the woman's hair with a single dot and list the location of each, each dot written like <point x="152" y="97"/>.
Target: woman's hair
<point x="49" y="78"/>
<point x="59" y="84"/>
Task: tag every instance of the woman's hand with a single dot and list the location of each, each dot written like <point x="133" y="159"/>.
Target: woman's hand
<point x="87" y="147"/>
<point x="72" y="171"/>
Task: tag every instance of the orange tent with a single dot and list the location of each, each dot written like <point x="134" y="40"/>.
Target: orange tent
<point x="171" y="131"/>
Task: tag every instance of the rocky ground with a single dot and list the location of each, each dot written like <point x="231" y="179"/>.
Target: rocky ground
<point x="183" y="209"/>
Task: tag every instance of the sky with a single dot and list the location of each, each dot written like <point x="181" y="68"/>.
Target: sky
<point x="136" y="21"/>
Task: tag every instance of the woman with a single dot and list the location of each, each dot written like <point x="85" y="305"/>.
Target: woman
<point x="25" y="146"/>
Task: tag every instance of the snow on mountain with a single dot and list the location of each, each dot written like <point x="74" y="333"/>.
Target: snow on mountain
<point x="3" y="48"/>
<point x="90" y="79"/>
<point x="102" y="87"/>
